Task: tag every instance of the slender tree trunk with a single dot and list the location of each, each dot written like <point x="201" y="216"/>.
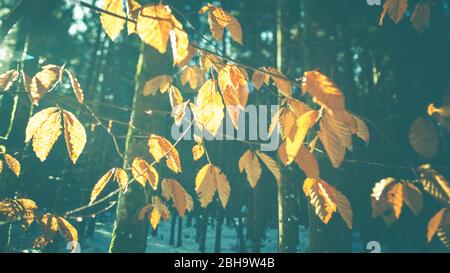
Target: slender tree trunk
<point x="180" y="232"/>
<point x="173" y="224"/>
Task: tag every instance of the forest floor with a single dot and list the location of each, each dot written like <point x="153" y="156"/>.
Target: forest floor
<point x="159" y="243"/>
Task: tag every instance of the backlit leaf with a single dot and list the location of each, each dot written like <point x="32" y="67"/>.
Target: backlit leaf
<point x="74" y="134"/>
<point x="143" y="172"/>
<point x="161" y="83"/>
<point x="159" y="147"/>
<point x="7" y="79"/>
<point x="395" y="9"/>
<point x="112" y="24"/>
<point x="13" y="164"/>
<point x="250" y="163"/>
<point x="209" y="180"/>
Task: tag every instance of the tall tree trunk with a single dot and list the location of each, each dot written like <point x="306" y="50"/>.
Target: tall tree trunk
<point x="130" y="234"/>
<point x="287" y="203"/>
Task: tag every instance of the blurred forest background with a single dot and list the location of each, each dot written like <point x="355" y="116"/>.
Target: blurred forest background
<point x="389" y="75"/>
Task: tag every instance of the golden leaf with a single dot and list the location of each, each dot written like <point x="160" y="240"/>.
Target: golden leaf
<point x="296" y="136"/>
<point x="161" y="83"/>
<point x="324" y="91"/>
<point x="121" y="176"/>
<point x="112" y="24"/>
<point x="46" y="135"/>
<point x="173" y="189"/>
<point x="395" y="9"/>
<point x="335" y="137"/>
<point x="178" y="106"/>
<point x="435" y="223"/>
<point x="75" y="135"/>
<point x="36" y="121"/>
<point x="100" y="185"/>
<point x="208" y="60"/>
<point x="208" y="110"/>
<point x="423" y="137"/>
<point x="143" y="172"/>
<point x="13" y="164"/>
<point x="219" y="19"/>
<point x="155" y="217"/>
<point x="194" y="75"/>
<point x="190" y="54"/>
<point x="79" y="94"/>
<point x="156" y="25"/>
<point x="434" y="183"/>
<point x="307" y="162"/>
<point x="250" y="163"/>
<point x="271" y="164"/>
<point x="281" y="81"/>
<point x="160" y="147"/>
<point x="209" y="180"/>
<point x="68" y="232"/>
<point x="159" y="211"/>
<point x="326" y="200"/>
<point x="259" y="78"/>
<point x="198" y="151"/>
<point x="43" y="82"/>
<point x="7" y="79"/>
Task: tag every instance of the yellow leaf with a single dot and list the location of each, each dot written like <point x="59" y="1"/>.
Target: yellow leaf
<point x="190" y="54"/>
<point x="121" y="176"/>
<point x="324" y="91"/>
<point x="307" y="162"/>
<point x="155" y="217"/>
<point x="156" y="25"/>
<point x="270" y="164"/>
<point x="209" y="180"/>
<point x="46" y="135"/>
<point x="111" y="24"/>
<point x="219" y="19"/>
<point x="198" y="151"/>
<point x="161" y="83"/>
<point x="173" y="189"/>
<point x="208" y="110"/>
<point x="395" y="8"/>
<point x="159" y="211"/>
<point x="74" y="134"/>
<point x="13" y="164"/>
<point x="36" y="121"/>
<point x="423" y="137"/>
<point x="75" y="86"/>
<point x="194" y="75"/>
<point x="178" y="106"/>
<point x="7" y="79"/>
<point x="250" y="163"/>
<point x="142" y="172"/>
<point x="160" y="147"/>
<point x="296" y="136"/>
<point x="100" y="185"/>
<point x="231" y="76"/>
<point x="208" y="60"/>
<point x="43" y="82"/>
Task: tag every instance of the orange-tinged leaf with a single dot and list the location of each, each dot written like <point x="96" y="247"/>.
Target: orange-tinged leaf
<point x="121" y="176"/>
<point x="7" y="79"/>
<point x="68" y="232"/>
<point x="324" y="90"/>
<point x="259" y="78"/>
<point x="159" y="147"/>
<point x="387" y="200"/>
<point x="434" y="223"/>
<point x="79" y="94"/>
<point x="307" y="162"/>
<point x="281" y="81"/>
<point x="177" y="103"/>
<point x="294" y="140"/>
<point x="195" y="76"/>
<point x="161" y="83"/>
<point x="74" y="134"/>
<point x="159" y="211"/>
<point x="209" y="180"/>
<point x="208" y="110"/>
<point x="190" y="54"/>
<point x="100" y="185"/>
<point x="43" y="82"/>
<point x="36" y="121"/>
<point x="395" y="9"/>
<point x="208" y="60"/>
<point x="46" y="135"/>
<point x="271" y="164"/>
<point x="13" y="164"/>
<point x="319" y="198"/>
<point x="112" y="24"/>
<point x="181" y="199"/>
<point x="423" y="137"/>
<point x="145" y="211"/>
<point x="219" y="19"/>
<point x="250" y="163"/>
<point x="143" y="172"/>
